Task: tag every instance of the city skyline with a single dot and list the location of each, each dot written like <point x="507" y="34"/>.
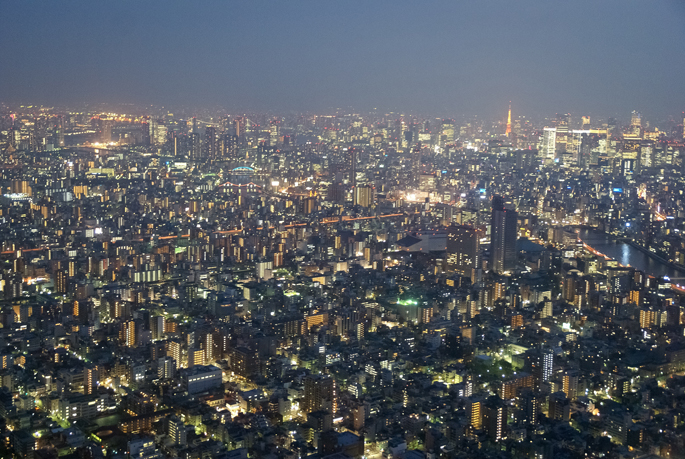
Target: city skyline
<point x="342" y="230"/>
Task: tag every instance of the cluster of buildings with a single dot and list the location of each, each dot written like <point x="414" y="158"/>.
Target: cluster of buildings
<point x="344" y="286"/>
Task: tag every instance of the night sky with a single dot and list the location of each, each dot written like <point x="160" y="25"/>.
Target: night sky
<point x="600" y="57"/>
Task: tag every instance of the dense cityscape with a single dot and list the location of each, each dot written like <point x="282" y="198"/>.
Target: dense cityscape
<point x="201" y="284"/>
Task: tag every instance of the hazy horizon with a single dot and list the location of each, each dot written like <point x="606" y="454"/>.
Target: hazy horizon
<point x="434" y="57"/>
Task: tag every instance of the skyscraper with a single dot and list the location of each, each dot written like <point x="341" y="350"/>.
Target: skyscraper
<point x="549" y="143"/>
<point x="503" y="237"/>
<point x="462" y="249"/>
<point x="210" y="146"/>
<point x="363" y="195"/>
<point x="105" y="129"/>
<point x="59" y="131"/>
<point x="145" y="127"/>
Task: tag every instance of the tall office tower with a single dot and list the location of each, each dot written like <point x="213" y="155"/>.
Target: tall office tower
<point x="320" y="393"/>
<point x="416" y="163"/>
<point x="503" y="237"/>
<point x="462" y="249"/>
<point x="61" y="281"/>
<point x="228" y="147"/>
<point x="636" y="123"/>
<point x="195" y="131"/>
<point x="239" y="126"/>
<point x="273" y="133"/>
<point x="160" y="134"/>
<point x="495" y="416"/>
<point x="105" y="129"/>
<point x="508" y="131"/>
<point x="363" y="195"/>
<point x="353" y="167"/>
<point x="195" y="147"/>
<point x="145" y="125"/>
<point x="59" y="131"/>
<point x="549" y="143"/>
<point x="210" y="146"/>
<point x="153" y="130"/>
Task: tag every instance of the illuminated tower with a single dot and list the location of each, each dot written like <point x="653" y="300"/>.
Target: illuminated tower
<point x="508" y="132"/>
<point x="636" y="123"/>
<point x="353" y="167"/>
<point x="503" y="237"/>
<point x="59" y="131"/>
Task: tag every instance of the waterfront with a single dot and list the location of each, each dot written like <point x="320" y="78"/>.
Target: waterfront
<point x="626" y="254"/>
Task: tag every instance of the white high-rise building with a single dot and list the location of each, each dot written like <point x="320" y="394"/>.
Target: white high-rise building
<point x="549" y="143"/>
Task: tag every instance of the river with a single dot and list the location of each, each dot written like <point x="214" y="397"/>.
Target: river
<point x="626" y="254"/>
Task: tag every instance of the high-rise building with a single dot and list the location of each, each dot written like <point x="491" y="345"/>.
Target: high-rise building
<point x="463" y="247"/>
<point x="363" y="195"/>
<point x="105" y="129"/>
<point x="194" y="150"/>
<point x="59" y="131"/>
<point x="166" y="368"/>
<point x="61" y="281"/>
<point x="559" y="407"/>
<point x="129" y="335"/>
<point x="160" y="137"/>
<point x="157" y="326"/>
<point x="540" y="363"/>
<point x="353" y="167"/>
<point x="474" y="412"/>
<point x="549" y="143"/>
<point x="495" y="414"/>
<point x="196" y="356"/>
<point x="91" y="379"/>
<point x="336" y="193"/>
<point x="210" y="146"/>
<point x="320" y="393"/>
<point x="173" y="350"/>
<point x="503" y="234"/>
<point x="569" y="384"/>
<point x="528" y="404"/>
<point x="636" y="123"/>
<point x="244" y="361"/>
<point x="145" y="128"/>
